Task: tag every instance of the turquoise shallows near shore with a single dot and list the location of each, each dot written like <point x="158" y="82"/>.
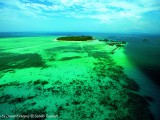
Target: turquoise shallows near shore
<point x="68" y="80"/>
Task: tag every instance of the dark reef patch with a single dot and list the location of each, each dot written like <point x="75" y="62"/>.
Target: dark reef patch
<point x="20" y="61"/>
<point x="2" y="86"/>
<point x="99" y="54"/>
<point x="42" y="82"/>
<point x="5" y="98"/>
<point x="67" y="48"/>
<point x="53" y="52"/>
<point x="17" y="100"/>
<point x="69" y="58"/>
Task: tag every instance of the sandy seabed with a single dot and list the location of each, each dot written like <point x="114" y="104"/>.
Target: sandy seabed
<point x="47" y="79"/>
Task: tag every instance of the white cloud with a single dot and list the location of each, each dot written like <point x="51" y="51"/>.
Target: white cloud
<point x="102" y="10"/>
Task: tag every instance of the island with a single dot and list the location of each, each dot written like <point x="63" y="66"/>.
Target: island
<point x="76" y="38"/>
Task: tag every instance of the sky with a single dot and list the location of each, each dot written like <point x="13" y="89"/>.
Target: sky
<point x="117" y="16"/>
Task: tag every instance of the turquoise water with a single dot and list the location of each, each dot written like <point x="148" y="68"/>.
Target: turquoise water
<point x="72" y="78"/>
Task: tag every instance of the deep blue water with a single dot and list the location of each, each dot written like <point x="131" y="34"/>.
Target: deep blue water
<point x="144" y="54"/>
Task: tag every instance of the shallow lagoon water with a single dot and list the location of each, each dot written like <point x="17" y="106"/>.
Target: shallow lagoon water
<point x="67" y="80"/>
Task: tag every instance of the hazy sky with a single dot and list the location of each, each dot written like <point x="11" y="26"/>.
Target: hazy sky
<point x="80" y="15"/>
